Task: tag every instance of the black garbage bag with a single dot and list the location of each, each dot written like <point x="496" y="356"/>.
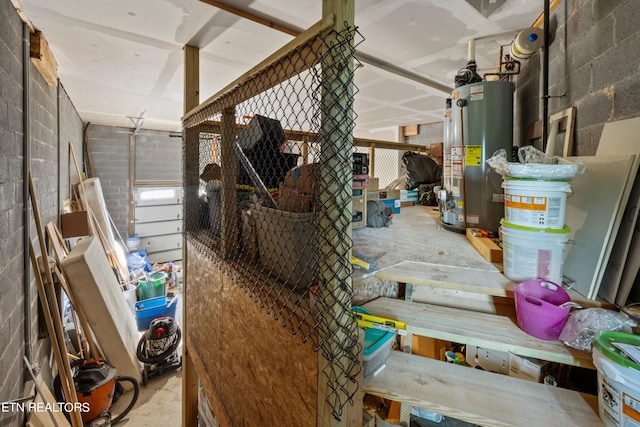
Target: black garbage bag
<point x="421" y="169"/>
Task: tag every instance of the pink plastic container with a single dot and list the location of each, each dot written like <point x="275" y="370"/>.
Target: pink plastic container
<point x="538" y="308"/>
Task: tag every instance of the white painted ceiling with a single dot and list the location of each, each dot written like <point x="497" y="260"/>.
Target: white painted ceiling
<point x="123" y="58"/>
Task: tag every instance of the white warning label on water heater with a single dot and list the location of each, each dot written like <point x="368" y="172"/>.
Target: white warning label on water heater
<point x="477" y="93"/>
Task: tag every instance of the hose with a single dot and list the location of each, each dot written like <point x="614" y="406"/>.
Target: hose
<point x="136" y="393"/>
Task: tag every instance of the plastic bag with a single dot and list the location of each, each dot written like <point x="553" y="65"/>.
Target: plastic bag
<point x="584" y="326"/>
<point x="534" y="164"/>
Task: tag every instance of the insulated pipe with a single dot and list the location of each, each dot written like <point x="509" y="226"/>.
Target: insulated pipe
<point x="26" y="212"/>
<point x="545" y="78"/>
<point x="471" y="50"/>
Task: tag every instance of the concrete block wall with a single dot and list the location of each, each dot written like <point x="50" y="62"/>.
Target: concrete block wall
<point x="11" y="205"/>
<point x="427" y="133"/>
<point x="52" y="117"/>
<point x="593" y="64"/>
<point x="110" y="153"/>
<point x="158" y="157"/>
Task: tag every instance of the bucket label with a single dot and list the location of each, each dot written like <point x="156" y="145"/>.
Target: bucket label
<point x="631" y="409"/>
<point x="533" y="211"/>
<point x="608" y="396"/>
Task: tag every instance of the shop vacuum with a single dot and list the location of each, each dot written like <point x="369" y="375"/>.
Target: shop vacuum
<point x="98" y="385"/>
<point x="157" y="348"/>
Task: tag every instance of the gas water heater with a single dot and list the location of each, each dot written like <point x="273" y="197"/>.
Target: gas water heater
<point x="478" y="121"/>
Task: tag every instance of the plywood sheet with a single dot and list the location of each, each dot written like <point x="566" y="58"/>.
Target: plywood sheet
<point x="94" y="287"/>
<point x="236" y="345"/>
<point x="594" y="213"/>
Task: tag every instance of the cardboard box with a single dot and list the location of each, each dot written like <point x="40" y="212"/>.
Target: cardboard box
<point x="302" y="178"/>
<point x="428" y="347"/>
<point x="359" y="211"/>
<point x="383" y="194"/>
<point x="75" y="224"/>
<point x="373" y="184"/>
<point x="408" y="195"/>
<point x="291" y="200"/>
<point x="435" y="149"/>
<point x="488" y="360"/>
<point x="360" y="181"/>
<point x="531" y="369"/>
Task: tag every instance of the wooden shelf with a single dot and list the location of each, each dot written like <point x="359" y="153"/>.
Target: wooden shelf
<point x="474" y="280"/>
<point x="485" y="330"/>
<point x="480" y="397"/>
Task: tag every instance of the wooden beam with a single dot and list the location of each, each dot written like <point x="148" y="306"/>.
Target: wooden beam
<point x="43" y="59"/>
<point x="252" y="17"/>
<point x="191" y="77"/>
<point x="308" y="58"/>
<point x="540" y="20"/>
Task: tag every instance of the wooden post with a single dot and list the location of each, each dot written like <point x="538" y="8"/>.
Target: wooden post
<point x="335" y="211"/>
<point x="372" y="160"/>
<point x="191" y="77"/>
<point x="191" y="183"/>
<point x="228" y="217"/>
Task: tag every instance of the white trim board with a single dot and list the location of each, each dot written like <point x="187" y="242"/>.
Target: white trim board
<point x="593" y="214"/>
<point x="632" y="266"/>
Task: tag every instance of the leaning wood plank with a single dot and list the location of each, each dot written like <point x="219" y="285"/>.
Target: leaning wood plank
<point x="486" y="330"/>
<point x="481" y="397"/>
<point x="57" y="341"/>
<point x="46" y="418"/>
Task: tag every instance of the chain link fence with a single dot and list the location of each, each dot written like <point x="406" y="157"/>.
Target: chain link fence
<point x="267" y="169"/>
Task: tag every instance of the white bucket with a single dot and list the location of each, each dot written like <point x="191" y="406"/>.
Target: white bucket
<point x="533" y="253"/>
<point x="533" y="203"/>
<point x="133" y="243"/>
<point x="618" y="380"/>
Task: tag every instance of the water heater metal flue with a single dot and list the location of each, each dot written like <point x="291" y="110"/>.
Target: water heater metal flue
<point x="481" y="123"/>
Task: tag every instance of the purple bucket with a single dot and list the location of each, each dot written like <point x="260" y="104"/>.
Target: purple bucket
<point x="538" y="308"/>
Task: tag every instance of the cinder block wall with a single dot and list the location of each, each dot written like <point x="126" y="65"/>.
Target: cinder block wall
<point x="594" y="64"/>
<point x="11" y="205"/>
<point x="427" y="133"/>
<point x="158" y="157"/>
<point x="53" y="124"/>
<point x="110" y="155"/>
